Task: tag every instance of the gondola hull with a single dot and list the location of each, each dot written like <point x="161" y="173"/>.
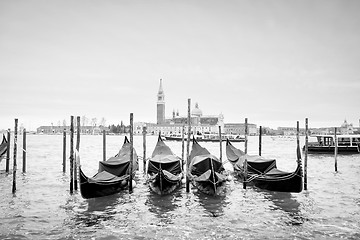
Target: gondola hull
<point x="164" y="184"/>
<point x="164" y="170"/>
<point x="112" y="176"/>
<point x="3" y="147"/>
<point x="263" y="173"/>
<point x="208" y="187"/>
<point x="290" y="182"/>
<point x="206" y="172"/>
<point x="94" y="189"/>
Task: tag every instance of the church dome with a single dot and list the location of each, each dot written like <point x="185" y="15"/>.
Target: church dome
<point x="196" y="111"/>
<point x="345" y="124"/>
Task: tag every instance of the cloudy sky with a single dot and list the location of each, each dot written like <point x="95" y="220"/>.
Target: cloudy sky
<point x="274" y="62"/>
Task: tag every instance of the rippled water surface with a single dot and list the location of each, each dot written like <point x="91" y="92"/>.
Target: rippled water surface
<point x="43" y="207"/>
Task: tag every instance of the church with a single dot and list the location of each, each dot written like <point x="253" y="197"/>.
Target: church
<point x="199" y="122"/>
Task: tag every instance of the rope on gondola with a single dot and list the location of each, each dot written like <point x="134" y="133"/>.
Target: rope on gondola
<point x="271" y="166"/>
<point x="290" y="175"/>
<point x="266" y="170"/>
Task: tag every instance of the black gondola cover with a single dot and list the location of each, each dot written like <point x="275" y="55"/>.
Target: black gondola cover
<point x="206" y="171"/>
<point x="263" y="172"/>
<point x="164" y="169"/>
<point x="119" y="164"/>
<point x="113" y="174"/>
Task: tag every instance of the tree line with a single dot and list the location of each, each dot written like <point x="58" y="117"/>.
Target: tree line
<point x="119" y="128"/>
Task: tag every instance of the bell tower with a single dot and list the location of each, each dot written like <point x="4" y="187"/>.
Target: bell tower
<point x="160" y="105"/>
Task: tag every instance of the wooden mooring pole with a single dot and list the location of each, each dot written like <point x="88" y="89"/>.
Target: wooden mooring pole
<point x="64" y="151"/>
<point x="71" y="154"/>
<point x="336" y="150"/>
<point x="298" y="141"/>
<point x="306" y="152"/>
<point x="15" y="152"/>
<point x="144" y="148"/>
<point x="188" y="148"/>
<point x="24" y="151"/>
<point x="78" y="129"/>
<point x="260" y="140"/>
<point x="8" y="151"/>
<point x="220" y="140"/>
<point x="183" y="145"/>
<point x="131" y="152"/>
<point x="104" y="145"/>
<point x="245" y="161"/>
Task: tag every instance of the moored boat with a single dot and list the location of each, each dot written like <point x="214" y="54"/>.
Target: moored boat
<point x="3" y="147"/>
<point x="113" y="174"/>
<point x="101" y="184"/>
<point x="119" y="164"/>
<point x="322" y="144"/>
<point x="255" y="164"/>
<point x="263" y="172"/>
<point x="164" y="169"/>
<point x="206" y="172"/>
<point x="280" y="181"/>
<point x="207" y="137"/>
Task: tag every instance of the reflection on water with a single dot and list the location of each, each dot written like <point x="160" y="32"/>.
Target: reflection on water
<point x="106" y="204"/>
<point x="213" y="205"/>
<point x="163" y="206"/>
<point x="288" y="204"/>
<point x="92" y="212"/>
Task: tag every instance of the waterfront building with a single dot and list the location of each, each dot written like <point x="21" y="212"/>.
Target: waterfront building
<point x="200" y="123"/>
<point x="346" y="128"/>
<point x="239" y="128"/>
<point x="60" y="129"/>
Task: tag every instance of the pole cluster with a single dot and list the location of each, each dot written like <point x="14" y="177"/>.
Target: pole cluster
<point x="7" y="167"/>
<point x="73" y="164"/>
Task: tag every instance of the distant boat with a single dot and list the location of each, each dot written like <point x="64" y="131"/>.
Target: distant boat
<point x="207" y="137"/>
<point x="263" y="172"/>
<point x="206" y="172"/>
<point x="326" y="144"/>
<point x="113" y="174"/>
<point x="164" y="169"/>
<point x="3" y="147"/>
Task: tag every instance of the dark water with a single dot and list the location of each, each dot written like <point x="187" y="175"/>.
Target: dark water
<point x="43" y="208"/>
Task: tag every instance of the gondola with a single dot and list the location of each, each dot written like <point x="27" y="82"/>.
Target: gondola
<point x="119" y="164"/>
<point x="112" y="177"/>
<point x="3" y="147"/>
<point x="101" y="184"/>
<point x="255" y="164"/>
<point x="206" y="172"/>
<point x="264" y="174"/>
<point x="164" y="170"/>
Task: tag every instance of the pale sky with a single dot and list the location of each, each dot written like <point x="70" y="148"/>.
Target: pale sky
<point x="274" y="62"/>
